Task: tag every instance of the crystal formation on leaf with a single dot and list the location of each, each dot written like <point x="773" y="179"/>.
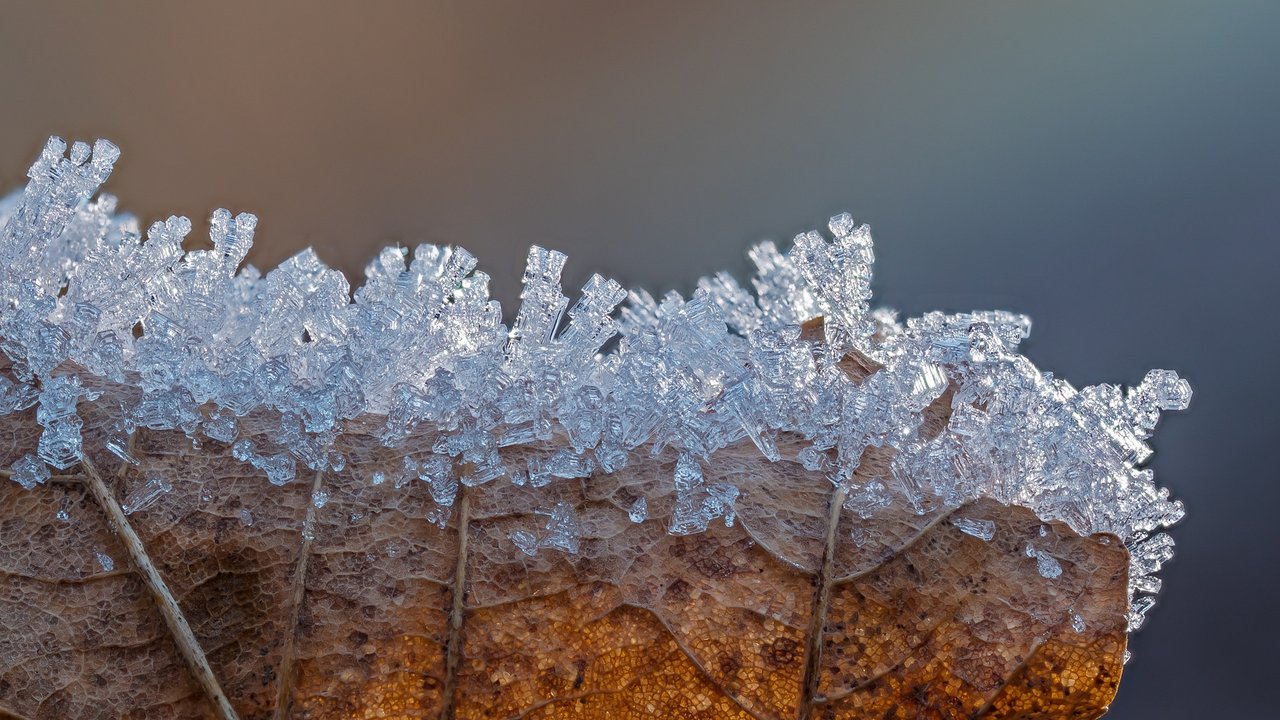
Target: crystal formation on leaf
<point x="242" y="495"/>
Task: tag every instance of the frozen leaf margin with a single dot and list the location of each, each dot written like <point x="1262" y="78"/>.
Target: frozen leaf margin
<point x="197" y="345"/>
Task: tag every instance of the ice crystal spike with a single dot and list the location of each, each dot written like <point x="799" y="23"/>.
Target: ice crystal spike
<point x="107" y="330"/>
<point x="981" y="529"/>
<point x="145" y="495"/>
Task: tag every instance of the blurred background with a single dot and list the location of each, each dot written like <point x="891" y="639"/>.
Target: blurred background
<point x="1110" y="168"/>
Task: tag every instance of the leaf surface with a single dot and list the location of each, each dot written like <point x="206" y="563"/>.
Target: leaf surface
<point x="335" y="597"/>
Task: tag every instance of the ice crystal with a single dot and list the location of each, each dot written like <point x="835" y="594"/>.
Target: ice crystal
<point x="981" y="529"/>
<point x="29" y="472"/>
<point x="197" y="342"/>
<point x="146" y="494"/>
<point x="319" y="498"/>
<point x="639" y="510"/>
<point x="104" y="561"/>
<point x="560" y="531"/>
<point x="1047" y="565"/>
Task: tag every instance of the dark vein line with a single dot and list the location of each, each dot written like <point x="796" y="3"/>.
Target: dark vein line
<point x="1035" y="648"/>
<point x="952" y="615"/>
<point x="457" y="613"/>
<point x="697" y="664"/>
<point x="56" y="582"/>
<point x="635" y="680"/>
<point x="818" y="615"/>
<point x="288" y="656"/>
<point x="598" y="692"/>
<point x="769" y="547"/>
<point x="924" y="531"/>
<point x="1008" y="679"/>
<point x="183" y="637"/>
<point x="899" y="664"/>
<point x="70" y="479"/>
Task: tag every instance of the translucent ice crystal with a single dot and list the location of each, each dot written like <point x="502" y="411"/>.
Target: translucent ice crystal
<point x="104" y="561"/>
<point x="638" y="512"/>
<point x="146" y="494"/>
<point x="981" y="529"/>
<point x="319" y="498"/>
<point x="29" y="472"/>
<point x="103" y="320"/>
<point x="561" y="531"/>
<point x="1047" y="565"/>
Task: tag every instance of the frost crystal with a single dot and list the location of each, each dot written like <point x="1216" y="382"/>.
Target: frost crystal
<point x="561" y="532"/>
<point x="145" y="495"/>
<point x="1047" y="565"/>
<point x="29" y="472"/>
<point x="104" y="561"/>
<point x="319" y="498"/>
<point x="639" y="510"/>
<point x="103" y="320"/>
<point x="981" y="529"/>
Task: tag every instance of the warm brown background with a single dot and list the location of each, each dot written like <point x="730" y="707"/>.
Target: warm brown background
<point x="1111" y="168"/>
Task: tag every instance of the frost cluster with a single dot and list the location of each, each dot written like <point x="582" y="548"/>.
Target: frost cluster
<point x="205" y="340"/>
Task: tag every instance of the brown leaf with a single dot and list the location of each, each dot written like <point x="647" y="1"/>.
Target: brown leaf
<point x="351" y="608"/>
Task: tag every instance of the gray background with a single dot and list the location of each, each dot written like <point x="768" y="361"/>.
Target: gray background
<point x="1110" y="168"/>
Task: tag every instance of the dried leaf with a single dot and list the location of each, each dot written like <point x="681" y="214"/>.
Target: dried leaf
<point x="335" y="597"/>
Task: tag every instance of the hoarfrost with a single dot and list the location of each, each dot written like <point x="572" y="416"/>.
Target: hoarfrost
<point x="981" y="529"/>
<point x="145" y="495"/>
<point x="200" y="341"/>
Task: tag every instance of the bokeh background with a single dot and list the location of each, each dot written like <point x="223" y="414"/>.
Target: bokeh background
<point x="1110" y="168"/>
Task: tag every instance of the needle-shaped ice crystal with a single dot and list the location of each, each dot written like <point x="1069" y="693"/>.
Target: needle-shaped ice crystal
<point x="146" y="494"/>
<point x="981" y="529"/>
